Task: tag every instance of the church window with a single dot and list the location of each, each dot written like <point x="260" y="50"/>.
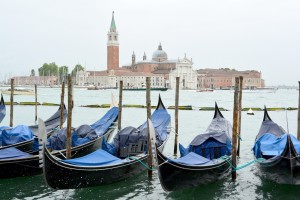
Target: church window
<point x="115" y="37"/>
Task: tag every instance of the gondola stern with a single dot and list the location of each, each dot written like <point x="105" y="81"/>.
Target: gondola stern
<point x="293" y="157"/>
<point x="160" y="104"/>
<point x="2" y="100"/>
<point x="266" y="115"/>
<point x="217" y="112"/>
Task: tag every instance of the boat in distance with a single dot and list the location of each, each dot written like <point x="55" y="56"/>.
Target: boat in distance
<point x="144" y="89"/>
<point x="115" y="161"/>
<point x="279" y="153"/>
<point x="19" y="91"/>
<point x="206" y="159"/>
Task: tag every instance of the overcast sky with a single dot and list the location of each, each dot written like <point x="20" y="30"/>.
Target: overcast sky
<point x="263" y="35"/>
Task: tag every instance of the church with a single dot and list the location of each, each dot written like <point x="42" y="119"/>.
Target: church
<point x="163" y="71"/>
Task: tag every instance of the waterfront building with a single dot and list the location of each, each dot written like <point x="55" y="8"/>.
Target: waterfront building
<point x="32" y="80"/>
<point x="159" y="68"/>
<point x="170" y="69"/>
<point x="224" y="78"/>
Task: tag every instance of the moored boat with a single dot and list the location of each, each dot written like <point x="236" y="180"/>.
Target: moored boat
<point x="144" y="89"/>
<point x="204" y="161"/>
<point x="250" y="112"/>
<point x="20" y="137"/>
<point x="113" y="162"/>
<point x="19" y="91"/>
<point x="2" y="109"/>
<point x="279" y="153"/>
<point x="16" y="162"/>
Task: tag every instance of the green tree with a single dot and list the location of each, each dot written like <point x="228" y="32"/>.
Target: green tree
<point x="48" y="69"/>
<point x="32" y="73"/>
<point x="63" y="72"/>
<point x="77" y="68"/>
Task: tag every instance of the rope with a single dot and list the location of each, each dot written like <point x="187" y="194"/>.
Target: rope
<point x="142" y="163"/>
<point x="243" y="166"/>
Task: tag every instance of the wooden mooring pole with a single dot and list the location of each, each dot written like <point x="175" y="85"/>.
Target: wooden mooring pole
<point x="298" y="130"/>
<point x="240" y="115"/>
<point x="11" y="123"/>
<point x="35" y="93"/>
<point x="148" y="104"/>
<point x="69" y="122"/>
<point x="120" y="105"/>
<point x="176" y="115"/>
<point x="62" y="102"/>
<point x="235" y="127"/>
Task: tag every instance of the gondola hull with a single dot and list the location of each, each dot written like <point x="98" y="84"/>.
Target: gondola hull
<point x="59" y="175"/>
<point x="283" y="169"/>
<point x="25" y="146"/>
<point x="11" y="168"/>
<point x="174" y="176"/>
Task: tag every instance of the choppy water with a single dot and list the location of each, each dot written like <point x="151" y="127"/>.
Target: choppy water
<point x="247" y="186"/>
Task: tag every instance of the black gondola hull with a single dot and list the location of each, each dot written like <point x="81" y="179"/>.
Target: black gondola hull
<point x="62" y="176"/>
<point x="283" y="169"/>
<point x="59" y="175"/>
<point x="174" y="176"/>
<point x="11" y="168"/>
<point x="25" y="146"/>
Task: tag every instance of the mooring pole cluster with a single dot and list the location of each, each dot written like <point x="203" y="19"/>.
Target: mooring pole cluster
<point x="236" y="129"/>
<point x="62" y="97"/>
<point x="176" y="115"/>
<point x="120" y="105"/>
<point x="240" y="114"/>
<point x="69" y="122"/>
<point x="11" y="123"/>
<point x="35" y="93"/>
<point x="298" y="130"/>
<point x="148" y="104"/>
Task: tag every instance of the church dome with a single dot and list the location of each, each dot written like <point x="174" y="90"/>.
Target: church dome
<point x="159" y="55"/>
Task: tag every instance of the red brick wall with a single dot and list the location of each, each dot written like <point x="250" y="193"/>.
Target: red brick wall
<point x="112" y="57"/>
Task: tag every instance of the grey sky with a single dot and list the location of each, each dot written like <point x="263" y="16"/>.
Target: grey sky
<point x="241" y="34"/>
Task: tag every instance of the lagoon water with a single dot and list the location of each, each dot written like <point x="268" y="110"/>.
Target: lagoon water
<point x="249" y="185"/>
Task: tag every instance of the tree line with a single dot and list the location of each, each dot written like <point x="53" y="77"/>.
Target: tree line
<point x="51" y="69"/>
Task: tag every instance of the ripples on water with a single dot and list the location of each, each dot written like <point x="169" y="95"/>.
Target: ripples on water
<point x="249" y="185"/>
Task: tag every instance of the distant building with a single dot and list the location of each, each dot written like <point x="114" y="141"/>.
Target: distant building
<point x="32" y="80"/>
<point x="161" y="70"/>
<point x="224" y="78"/>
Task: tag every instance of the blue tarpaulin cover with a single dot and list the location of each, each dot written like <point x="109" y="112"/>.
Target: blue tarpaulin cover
<point x="160" y="120"/>
<point x="97" y="158"/>
<point x="217" y="138"/>
<point x="13" y="153"/>
<point x="191" y="159"/>
<point x="83" y="133"/>
<point x="271" y="145"/>
<point x="15" y="135"/>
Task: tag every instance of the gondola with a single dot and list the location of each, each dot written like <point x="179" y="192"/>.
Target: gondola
<point x="204" y="161"/>
<point x="278" y="153"/>
<point x="121" y="159"/>
<point x="16" y="163"/>
<point x="23" y="137"/>
<point x="2" y="109"/>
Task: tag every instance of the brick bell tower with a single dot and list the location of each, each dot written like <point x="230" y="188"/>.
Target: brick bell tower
<point x="112" y="46"/>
